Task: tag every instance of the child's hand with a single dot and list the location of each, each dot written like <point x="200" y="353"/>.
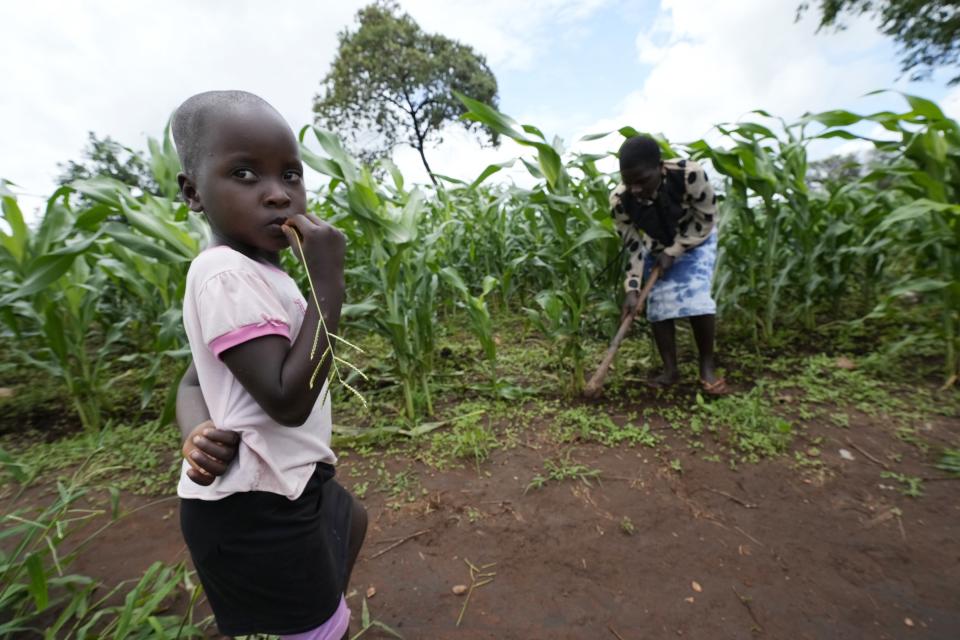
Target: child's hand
<point x="323" y="246"/>
<point x="209" y="451"/>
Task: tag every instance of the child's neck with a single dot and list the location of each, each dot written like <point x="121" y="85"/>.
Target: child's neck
<point x="220" y="240"/>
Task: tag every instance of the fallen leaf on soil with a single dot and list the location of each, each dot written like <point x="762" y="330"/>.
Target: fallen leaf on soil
<point x="459" y="589"/>
<point x="908" y="622"/>
<point x="690" y="599"/>
<point x="696" y="586"/>
<point x="371" y="591"/>
<point x="744" y="550"/>
<point x="846" y="455"/>
<point x="846" y="363"/>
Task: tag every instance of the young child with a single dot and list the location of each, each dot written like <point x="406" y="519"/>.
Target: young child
<point x="272" y="535"/>
<point x="666" y="214"/>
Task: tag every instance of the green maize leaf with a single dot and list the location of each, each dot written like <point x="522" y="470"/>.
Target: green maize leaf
<point x="334" y="148"/>
<point x="453" y="277"/>
<point x="54" y="333"/>
<point x="394" y="172"/>
<point x="835" y="118"/>
<point x="14" y="468"/>
<point x="42" y="273"/>
<point x="38" y="581"/>
<point x="840" y="133"/>
<point x="450" y="179"/>
<point x="590" y="235"/>
<point x="550" y="164"/>
<point x="752" y="128"/>
<point x="322" y="165"/>
<point x="102" y="189"/>
<point x="90" y="219"/>
<point x="359" y="309"/>
<point x="924" y="108"/>
<point x="532" y="168"/>
<point x="594" y="136"/>
<point x="547" y="156"/>
<point x="918" y="209"/>
<point x="499" y="122"/>
<point x="150" y="220"/>
<point x="529" y="128"/>
<point x="489" y="282"/>
<point x="144" y="246"/>
<point x="920" y="285"/>
<point x="490" y="170"/>
<point x="16" y="242"/>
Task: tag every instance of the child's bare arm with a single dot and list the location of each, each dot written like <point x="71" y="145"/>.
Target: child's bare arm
<point x="275" y="372"/>
<point x="208" y="450"/>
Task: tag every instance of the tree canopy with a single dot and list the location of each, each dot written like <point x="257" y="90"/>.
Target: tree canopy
<point x="928" y="31"/>
<point x="391" y="83"/>
<point x="107" y="157"/>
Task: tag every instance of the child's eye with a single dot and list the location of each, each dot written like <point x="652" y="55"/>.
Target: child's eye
<point x="292" y="176"/>
<point x="245" y="174"/>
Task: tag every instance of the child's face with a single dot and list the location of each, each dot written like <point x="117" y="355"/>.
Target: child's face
<point x="642" y="182"/>
<point x="250" y="179"/>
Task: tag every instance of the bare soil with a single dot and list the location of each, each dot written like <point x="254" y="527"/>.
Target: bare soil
<point x="768" y="550"/>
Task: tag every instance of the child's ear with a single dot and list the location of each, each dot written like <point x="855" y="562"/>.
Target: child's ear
<point x="189" y="192"/>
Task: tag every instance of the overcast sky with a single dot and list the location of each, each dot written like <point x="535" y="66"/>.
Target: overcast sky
<point x="569" y="66"/>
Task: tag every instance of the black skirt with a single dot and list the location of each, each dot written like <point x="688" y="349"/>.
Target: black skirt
<point x="269" y="564"/>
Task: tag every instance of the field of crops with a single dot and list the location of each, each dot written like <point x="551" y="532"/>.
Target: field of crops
<point x="479" y="308"/>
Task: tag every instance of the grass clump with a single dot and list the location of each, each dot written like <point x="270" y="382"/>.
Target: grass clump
<point x="747" y="423"/>
<point x="585" y="424"/>
<point x="560" y="469"/>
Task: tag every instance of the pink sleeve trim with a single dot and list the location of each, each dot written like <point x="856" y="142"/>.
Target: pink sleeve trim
<point x="246" y="333"/>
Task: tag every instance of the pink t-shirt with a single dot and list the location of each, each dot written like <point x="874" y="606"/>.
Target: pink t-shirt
<point x="231" y="299"/>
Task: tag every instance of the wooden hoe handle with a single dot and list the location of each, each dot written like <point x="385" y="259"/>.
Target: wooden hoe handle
<point x="593" y="387"/>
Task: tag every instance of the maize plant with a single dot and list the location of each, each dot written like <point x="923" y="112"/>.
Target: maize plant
<point x="577" y="240"/>
<point x="399" y="254"/>
<point x="921" y="236"/>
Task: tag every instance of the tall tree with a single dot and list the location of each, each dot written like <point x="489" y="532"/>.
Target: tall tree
<point x="928" y="31"/>
<point x="393" y="83"/>
<point x="107" y="157"/>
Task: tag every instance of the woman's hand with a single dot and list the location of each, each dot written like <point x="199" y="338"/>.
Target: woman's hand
<point x="209" y="451"/>
<point x="665" y="262"/>
<point x="629" y="304"/>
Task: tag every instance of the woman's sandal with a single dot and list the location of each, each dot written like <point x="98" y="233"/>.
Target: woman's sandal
<point x="716" y="388"/>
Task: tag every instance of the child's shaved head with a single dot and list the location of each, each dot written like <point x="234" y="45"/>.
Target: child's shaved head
<point x="192" y="120"/>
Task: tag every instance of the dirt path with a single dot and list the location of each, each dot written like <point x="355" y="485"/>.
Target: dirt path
<point x="643" y="551"/>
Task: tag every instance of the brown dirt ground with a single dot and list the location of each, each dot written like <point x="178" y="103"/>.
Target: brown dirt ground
<point x="775" y="552"/>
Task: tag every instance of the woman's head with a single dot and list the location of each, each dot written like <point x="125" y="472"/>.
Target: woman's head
<point x="640" y="166"/>
<point x="241" y="167"/>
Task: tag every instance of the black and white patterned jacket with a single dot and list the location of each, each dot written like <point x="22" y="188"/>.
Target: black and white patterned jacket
<point x="699" y="205"/>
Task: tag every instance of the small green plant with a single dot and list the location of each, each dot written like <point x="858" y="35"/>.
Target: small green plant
<point x="360" y="489"/>
<point x="909" y="435"/>
<point x="911" y="486"/>
<point x="586" y="424"/>
<point x="36" y="586"/>
<point x="367" y="623"/>
<point x="626" y="525"/>
<point x="676" y="465"/>
<point x="473" y="514"/>
<point x="400" y="486"/>
<point x="950" y="461"/>
<point x="561" y="469"/>
<point x="470" y="438"/>
<point x="752" y="429"/>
